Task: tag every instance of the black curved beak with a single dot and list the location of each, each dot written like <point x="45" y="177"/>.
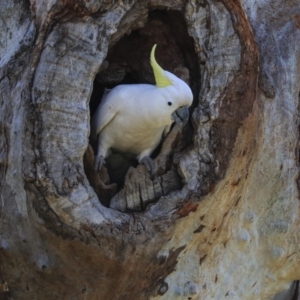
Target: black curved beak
<point x="181" y="115"/>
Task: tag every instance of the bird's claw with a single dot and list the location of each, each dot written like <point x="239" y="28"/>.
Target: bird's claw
<point x="148" y="162"/>
<point x="99" y="161"/>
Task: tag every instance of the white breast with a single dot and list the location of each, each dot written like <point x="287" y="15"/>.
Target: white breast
<point x="129" y="136"/>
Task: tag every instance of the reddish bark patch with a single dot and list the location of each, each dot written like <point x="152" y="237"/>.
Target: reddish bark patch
<point x="297" y="21"/>
<point x="187" y="208"/>
<point x="240" y="94"/>
<point x="89" y="229"/>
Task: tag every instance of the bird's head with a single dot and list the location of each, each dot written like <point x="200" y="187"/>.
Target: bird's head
<point x="176" y="95"/>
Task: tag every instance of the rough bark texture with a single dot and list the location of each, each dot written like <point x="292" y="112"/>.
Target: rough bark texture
<point x="219" y="220"/>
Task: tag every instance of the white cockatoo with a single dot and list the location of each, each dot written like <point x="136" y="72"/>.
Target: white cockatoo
<point x="133" y="118"/>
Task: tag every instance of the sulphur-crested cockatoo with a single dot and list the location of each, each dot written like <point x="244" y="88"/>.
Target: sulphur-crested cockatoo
<point x="133" y="118"/>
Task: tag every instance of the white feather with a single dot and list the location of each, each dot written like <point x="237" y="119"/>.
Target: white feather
<point x="133" y="118"/>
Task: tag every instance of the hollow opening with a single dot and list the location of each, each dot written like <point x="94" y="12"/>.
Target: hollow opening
<point x="128" y="62"/>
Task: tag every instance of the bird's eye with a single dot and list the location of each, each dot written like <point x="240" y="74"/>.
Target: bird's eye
<point x="169" y="103"/>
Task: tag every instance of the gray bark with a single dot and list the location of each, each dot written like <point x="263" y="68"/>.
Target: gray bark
<point x="220" y="218"/>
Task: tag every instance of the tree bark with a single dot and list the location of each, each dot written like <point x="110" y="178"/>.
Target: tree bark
<point x="220" y="218"/>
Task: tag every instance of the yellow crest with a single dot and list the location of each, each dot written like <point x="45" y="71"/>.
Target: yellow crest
<point x="160" y="78"/>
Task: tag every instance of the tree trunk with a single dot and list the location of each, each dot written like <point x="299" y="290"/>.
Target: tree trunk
<point x="220" y="218"/>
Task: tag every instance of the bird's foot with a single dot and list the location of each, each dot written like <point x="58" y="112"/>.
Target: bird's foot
<point x="148" y="162"/>
<point x="99" y="161"/>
